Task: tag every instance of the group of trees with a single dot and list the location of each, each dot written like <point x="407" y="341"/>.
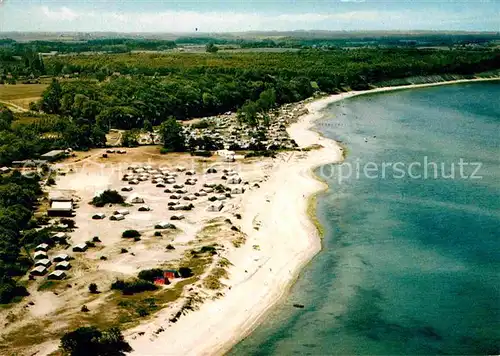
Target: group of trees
<point x="92" y="341"/>
<point x="20" y="139"/>
<point x="152" y="87"/>
<point x="18" y="195"/>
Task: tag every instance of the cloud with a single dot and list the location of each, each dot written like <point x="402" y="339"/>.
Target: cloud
<point x="63" y="13"/>
<point x="45" y="18"/>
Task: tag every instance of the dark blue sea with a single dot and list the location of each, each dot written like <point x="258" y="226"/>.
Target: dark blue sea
<point x="411" y="255"/>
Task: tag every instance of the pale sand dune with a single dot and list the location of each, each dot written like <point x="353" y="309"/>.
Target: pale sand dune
<point x="259" y="278"/>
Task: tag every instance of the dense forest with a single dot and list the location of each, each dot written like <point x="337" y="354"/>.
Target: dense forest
<point x="18" y="195"/>
<point x="124" y="91"/>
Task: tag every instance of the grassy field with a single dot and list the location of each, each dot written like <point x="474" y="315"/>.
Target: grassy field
<point x="21" y="94"/>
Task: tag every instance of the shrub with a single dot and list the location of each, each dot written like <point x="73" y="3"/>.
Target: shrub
<point x="208" y="249"/>
<point x="133" y="286"/>
<point x="212" y="199"/>
<point x="170" y="247"/>
<point x="123" y="250"/>
<point x="238" y="216"/>
<point x="108" y="197"/>
<point x="84" y="309"/>
<point x="150" y="274"/>
<point x="142" y="311"/>
<point x="202" y="124"/>
<point x="201" y="153"/>
<point x="157" y="233"/>
<point x="89" y="244"/>
<point x="260" y="154"/>
<point x="96" y="239"/>
<point x="131" y="234"/>
<point x="92" y="341"/>
<point x="70" y="222"/>
<point x="93" y="288"/>
<point x="219" y="188"/>
<point x="185" y="272"/>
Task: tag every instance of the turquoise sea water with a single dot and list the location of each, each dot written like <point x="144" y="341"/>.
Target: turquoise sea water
<point x="409" y="265"/>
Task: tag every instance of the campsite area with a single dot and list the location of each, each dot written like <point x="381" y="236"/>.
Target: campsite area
<point x="197" y="239"/>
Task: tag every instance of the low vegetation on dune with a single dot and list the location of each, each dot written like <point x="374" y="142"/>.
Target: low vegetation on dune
<point x="108" y="197"/>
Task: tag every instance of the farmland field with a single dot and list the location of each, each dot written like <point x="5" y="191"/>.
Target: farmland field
<point x="21" y="94"/>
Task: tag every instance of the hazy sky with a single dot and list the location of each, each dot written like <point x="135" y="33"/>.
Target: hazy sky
<point x="245" y="15"/>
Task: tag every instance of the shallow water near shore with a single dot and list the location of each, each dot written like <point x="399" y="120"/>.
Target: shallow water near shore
<point x="411" y="256"/>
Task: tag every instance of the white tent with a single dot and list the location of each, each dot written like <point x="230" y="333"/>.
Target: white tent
<point x="40" y="255"/>
<point x="164" y="225"/>
<point x="234" y="180"/>
<point x="135" y="199"/>
<point x="237" y="190"/>
<point x="45" y="262"/>
<point x="216" y="206"/>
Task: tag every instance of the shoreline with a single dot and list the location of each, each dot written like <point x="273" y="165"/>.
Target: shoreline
<point x="260" y="280"/>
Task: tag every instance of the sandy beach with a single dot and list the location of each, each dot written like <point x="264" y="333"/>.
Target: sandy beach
<point x="287" y="241"/>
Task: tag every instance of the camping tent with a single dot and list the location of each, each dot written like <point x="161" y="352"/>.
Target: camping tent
<point x="135" y="199"/>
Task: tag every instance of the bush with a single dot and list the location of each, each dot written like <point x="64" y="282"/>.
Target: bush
<point x="202" y="124"/>
<point x="92" y="341"/>
<point x="260" y="154"/>
<point x="212" y="199"/>
<point x="9" y="290"/>
<point x="185" y="272"/>
<point x="170" y="247"/>
<point x="123" y="250"/>
<point x="131" y="234"/>
<point x="208" y="249"/>
<point x="108" y="197"/>
<point x="93" y="288"/>
<point x="157" y="233"/>
<point x="70" y="222"/>
<point x="201" y="153"/>
<point x="133" y="286"/>
<point x="150" y="274"/>
<point x="142" y="311"/>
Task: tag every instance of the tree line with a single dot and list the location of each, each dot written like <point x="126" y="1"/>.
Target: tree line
<point x="18" y="196"/>
<point x="125" y="91"/>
